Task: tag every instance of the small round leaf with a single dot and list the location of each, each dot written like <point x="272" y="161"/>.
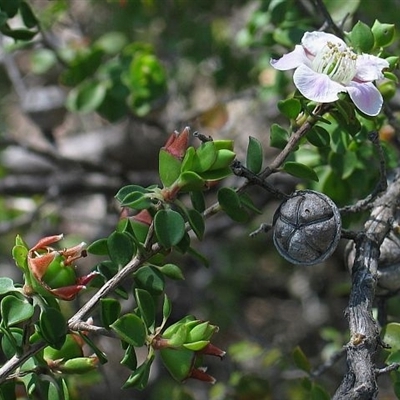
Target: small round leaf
<point x="15" y="310"/>
<point x="120" y="248"/>
<point x="169" y="227"/>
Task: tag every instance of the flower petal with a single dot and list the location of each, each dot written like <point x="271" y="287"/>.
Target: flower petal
<point x="84" y="280"/>
<point x="39" y="265"/>
<point x="314" y="42"/>
<point x="67" y="293"/>
<point x="291" y="60"/>
<point x="315" y="86"/>
<point x="369" y="68"/>
<point x="366" y="97"/>
<point x="46" y="241"/>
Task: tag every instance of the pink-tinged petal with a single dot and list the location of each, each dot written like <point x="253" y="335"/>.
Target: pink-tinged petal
<point x="366" y="97"/>
<point x="291" y="60"/>
<point x="84" y="280"/>
<point x="46" y="241"/>
<point x="314" y="42"/>
<point x="201" y="375"/>
<point x="39" y="265"/>
<point x="212" y="350"/>
<point x="369" y="68"/>
<point x="67" y="292"/>
<point x="177" y="143"/>
<point x="315" y="86"/>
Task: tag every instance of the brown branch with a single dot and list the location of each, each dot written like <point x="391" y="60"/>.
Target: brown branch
<point x="359" y="381"/>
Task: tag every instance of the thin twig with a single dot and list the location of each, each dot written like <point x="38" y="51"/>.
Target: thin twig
<point x="320" y="6"/>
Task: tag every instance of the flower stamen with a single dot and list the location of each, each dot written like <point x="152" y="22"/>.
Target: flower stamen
<point x="338" y="63"/>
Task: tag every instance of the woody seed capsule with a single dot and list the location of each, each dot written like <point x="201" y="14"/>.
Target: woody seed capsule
<point x="307" y="228"/>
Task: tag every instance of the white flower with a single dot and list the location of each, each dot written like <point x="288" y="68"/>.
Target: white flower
<point x="326" y="66"/>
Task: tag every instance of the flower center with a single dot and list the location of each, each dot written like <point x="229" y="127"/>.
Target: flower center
<point x="338" y="63"/>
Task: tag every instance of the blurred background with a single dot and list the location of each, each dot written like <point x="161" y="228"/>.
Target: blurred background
<point x="86" y="104"/>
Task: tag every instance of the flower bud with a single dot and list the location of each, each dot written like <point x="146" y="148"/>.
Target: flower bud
<point x="177" y="143"/>
<point x="79" y="365"/>
<point x="53" y="271"/>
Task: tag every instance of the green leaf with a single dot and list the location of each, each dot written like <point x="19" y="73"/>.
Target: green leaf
<point x="3" y="18"/>
<point x="361" y="37"/>
<point x="130" y="360"/>
<point x="53" y="327"/>
<point x="217" y="174"/>
<point x="169" y="227"/>
<point x="318" y="136"/>
<point x="18" y="34"/>
<point x="87" y="96"/>
<point x="100" y="355"/>
<point x="134" y="196"/>
<point x="111" y="42"/>
<point x="343" y="164"/>
<point x="396" y="388"/>
<point x="198" y="200"/>
<point x="178" y="362"/>
<point x="110" y="310"/>
<point x="290" y="108"/>
<point x="254" y="158"/>
<point x="196" y="346"/>
<point x="205" y="157"/>
<point x="146" y="306"/>
<point x="120" y="248"/>
<point x="167" y="308"/>
<point x="28" y="17"/>
<point x="151" y="279"/>
<point x="98" y="247"/>
<point x="393" y="358"/>
<point x="169" y="168"/>
<point x="230" y="202"/>
<point x="247" y="202"/>
<point x="11" y="341"/>
<point x="191" y="181"/>
<point x="42" y="60"/>
<point x="391" y="336"/>
<point x="196" y="222"/>
<point x="137" y="200"/>
<point x="20" y="256"/>
<point x="15" y="310"/>
<point x="278" y="136"/>
<point x="82" y="66"/>
<point x="383" y="33"/>
<point x="300" y="170"/>
<point x="131" y="329"/>
<point x="172" y="271"/>
<point x="10" y="7"/>
<point x="300" y="360"/>
<point x="6" y="285"/>
<point x="318" y="393"/>
<point x="139" y="378"/>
